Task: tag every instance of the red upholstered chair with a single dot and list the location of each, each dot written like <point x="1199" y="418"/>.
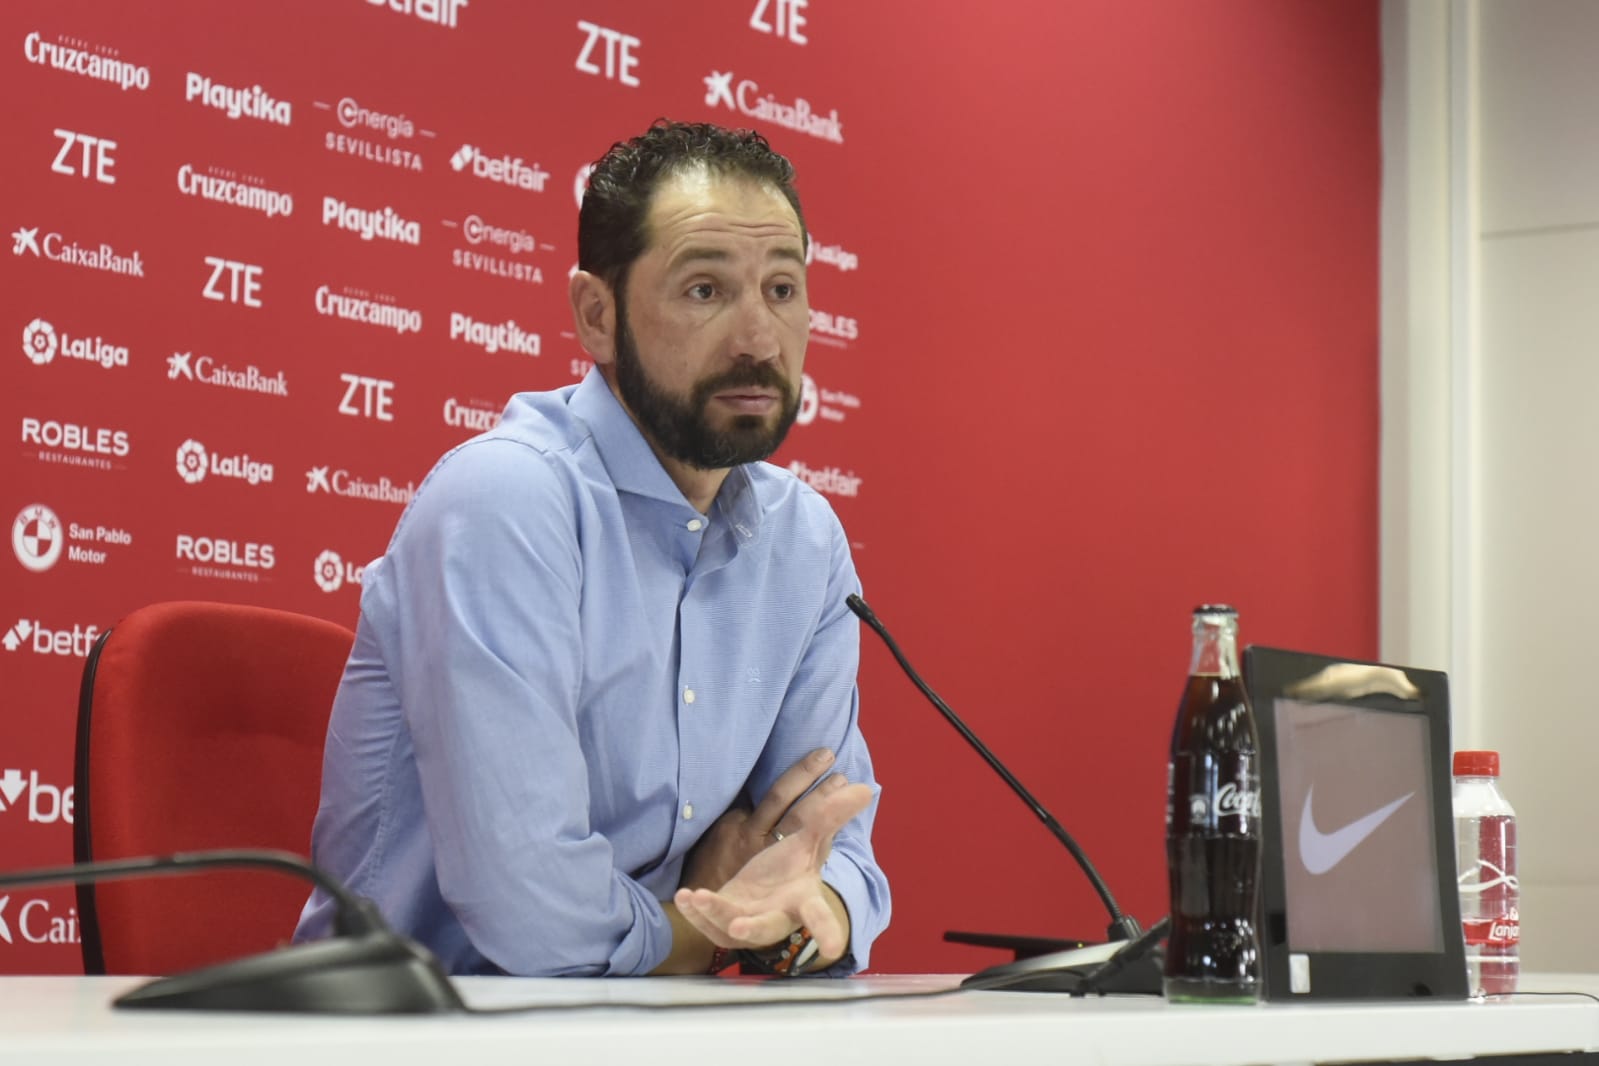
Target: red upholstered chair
<point x="200" y="725"/>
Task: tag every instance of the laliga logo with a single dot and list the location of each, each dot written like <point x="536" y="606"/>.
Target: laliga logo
<point x="37" y="537"/>
<point x="192" y="462"/>
<point x="39" y="342"/>
<point x="331" y="572"/>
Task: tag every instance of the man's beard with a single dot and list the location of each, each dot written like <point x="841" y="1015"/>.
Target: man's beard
<point x="680" y="426"/>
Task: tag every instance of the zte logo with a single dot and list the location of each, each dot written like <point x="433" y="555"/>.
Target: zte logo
<point x="85" y="156"/>
<point x="781" y="18"/>
<point x="367" y="397"/>
<point x="243" y="284"/>
<point x="621" y="55"/>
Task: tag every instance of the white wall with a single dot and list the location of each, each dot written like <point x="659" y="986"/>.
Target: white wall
<point x="1489" y="336"/>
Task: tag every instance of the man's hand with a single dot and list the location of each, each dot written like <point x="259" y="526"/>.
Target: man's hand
<point x="780" y="888"/>
<point x="740" y="834"/>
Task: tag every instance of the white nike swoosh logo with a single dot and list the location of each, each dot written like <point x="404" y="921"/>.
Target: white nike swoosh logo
<point x="1320" y="851"/>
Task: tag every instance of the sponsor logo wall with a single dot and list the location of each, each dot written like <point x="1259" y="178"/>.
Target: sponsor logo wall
<point x="252" y="296"/>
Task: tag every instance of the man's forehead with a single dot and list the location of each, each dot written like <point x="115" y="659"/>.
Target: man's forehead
<point x="699" y="201"/>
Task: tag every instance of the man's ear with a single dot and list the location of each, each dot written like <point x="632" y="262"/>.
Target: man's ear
<point x="594" y="315"/>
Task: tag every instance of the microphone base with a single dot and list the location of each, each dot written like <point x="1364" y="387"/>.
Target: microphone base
<point x="375" y="973"/>
<point x="1070" y="972"/>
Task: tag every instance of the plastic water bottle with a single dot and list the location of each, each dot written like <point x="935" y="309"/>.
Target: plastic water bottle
<point x="1490" y="895"/>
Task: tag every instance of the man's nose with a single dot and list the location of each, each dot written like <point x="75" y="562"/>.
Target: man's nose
<point x="756" y="335"/>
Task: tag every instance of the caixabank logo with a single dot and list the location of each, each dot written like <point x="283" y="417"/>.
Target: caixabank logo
<point x="40" y="539"/>
<point x="745" y="97"/>
<point x="41" y="243"/>
<point x="207" y="370"/>
<point x="340" y="482"/>
<point x="43" y="342"/>
<point x="31" y="921"/>
<point x="332" y="573"/>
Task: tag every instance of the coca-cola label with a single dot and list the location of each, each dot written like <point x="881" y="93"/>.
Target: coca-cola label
<point x="1502" y="931"/>
<point x="1221" y="794"/>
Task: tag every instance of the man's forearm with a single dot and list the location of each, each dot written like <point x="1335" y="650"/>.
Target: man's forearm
<point x="691" y="951"/>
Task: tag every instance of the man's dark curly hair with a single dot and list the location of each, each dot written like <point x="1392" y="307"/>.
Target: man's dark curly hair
<point x="610" y="227"/>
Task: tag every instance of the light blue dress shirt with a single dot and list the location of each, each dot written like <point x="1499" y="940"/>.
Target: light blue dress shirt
<point x="563" y="674"/>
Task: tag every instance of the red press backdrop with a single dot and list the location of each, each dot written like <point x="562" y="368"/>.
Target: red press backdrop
<point x="1094" y="339"/>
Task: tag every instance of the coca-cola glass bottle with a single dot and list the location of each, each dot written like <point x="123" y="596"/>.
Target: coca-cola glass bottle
<point x="1213" y="826"/>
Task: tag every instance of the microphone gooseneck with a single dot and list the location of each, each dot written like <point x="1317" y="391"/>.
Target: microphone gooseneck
<point x="1122" y="927"/>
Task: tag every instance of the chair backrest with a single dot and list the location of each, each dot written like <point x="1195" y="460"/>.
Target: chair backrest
<point x="200" y="725"/>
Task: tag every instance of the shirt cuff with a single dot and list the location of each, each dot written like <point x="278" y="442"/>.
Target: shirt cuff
<point x="845" y="878"/>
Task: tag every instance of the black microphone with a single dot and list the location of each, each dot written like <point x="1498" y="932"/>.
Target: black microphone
<point x="1063" y="971"/>
<point x="364" y="968"/>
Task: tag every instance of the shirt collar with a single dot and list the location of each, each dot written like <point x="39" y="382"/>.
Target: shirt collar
<point x="634" y="467"/>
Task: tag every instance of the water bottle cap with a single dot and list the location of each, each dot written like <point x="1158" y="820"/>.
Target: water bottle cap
<point x="1476" y="764"/>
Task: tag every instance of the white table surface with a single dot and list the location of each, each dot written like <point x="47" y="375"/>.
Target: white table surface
<point x="46" y="1020"/>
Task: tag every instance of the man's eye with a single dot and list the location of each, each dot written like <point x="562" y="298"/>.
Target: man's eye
<point x="703" y="291"/>
<point x="783" y="291"/>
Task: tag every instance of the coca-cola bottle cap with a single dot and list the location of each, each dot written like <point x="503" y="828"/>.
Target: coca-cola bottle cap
<point x="1476" y="764"/>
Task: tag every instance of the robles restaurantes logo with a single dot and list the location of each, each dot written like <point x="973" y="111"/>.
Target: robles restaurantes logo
<point x="41" y="344"/>
<point x="207" y="371"/>
<point x="746" y="98"/>
<point x="53" y="246"/>
<point x="223" y="558"/>
<point x="493" y="337"/>
<point x="830" y="328"/>
<point x="252" y="102"/>
<point x="223" y="186"/>
<point x="72" y="444"/>
<point x="357" y="305"/>
<point x="333" y="573"/>
<point x="195" y="462"/>
<point x="383" y="223"/>
<point x="77" y="56"/>
<point x="506" y="169"/>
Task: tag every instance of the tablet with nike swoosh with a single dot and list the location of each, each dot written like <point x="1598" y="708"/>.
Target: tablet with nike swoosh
<point x="1358" y="896"/>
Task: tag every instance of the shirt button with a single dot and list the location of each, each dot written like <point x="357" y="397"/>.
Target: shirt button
<point x="688" y="811"/>
<point x="694" y="525"/>
<point x="688" y="695"/>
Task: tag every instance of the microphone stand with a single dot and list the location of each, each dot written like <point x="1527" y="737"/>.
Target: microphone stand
<point x="364" y="968"/>
<point x="1079" y="970"/>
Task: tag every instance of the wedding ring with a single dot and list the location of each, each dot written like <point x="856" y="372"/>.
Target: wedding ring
<point x="777" y="834"/>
